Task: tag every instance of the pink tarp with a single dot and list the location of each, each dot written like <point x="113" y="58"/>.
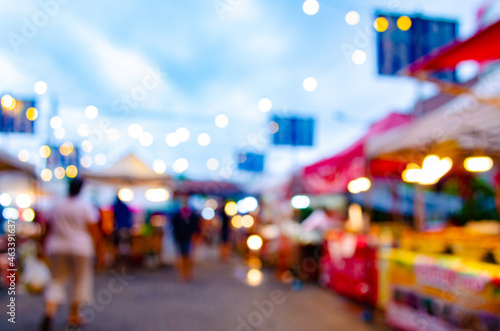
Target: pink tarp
<point x="333" y="174"/>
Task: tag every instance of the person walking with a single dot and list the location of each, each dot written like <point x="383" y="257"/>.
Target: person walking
<point x="70" y="242"/>
<point x="121" y="236"/>
<point x="185" y="224"/>
<point x="225" y="248"/>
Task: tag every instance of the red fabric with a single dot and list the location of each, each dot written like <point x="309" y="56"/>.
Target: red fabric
<point x="333" y="174"/>
<point x="387" y="168"/>
<point x="355" y="277"/>
<point x="482" y="47"/>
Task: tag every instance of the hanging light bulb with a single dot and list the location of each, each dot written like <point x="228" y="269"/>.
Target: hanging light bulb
<point x="478" y="163"/>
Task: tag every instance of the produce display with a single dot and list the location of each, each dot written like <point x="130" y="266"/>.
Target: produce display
<point x="442" y="292"/>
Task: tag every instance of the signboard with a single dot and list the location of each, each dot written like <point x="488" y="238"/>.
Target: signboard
<point x="397" y="48"/>
<point x="14" y="120"/>
<point x="251" y="162"/>
<point x="294" y="131"/>
<point x="447" y="292"/>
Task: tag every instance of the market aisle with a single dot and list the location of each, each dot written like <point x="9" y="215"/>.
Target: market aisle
<point x="218" y="299"/>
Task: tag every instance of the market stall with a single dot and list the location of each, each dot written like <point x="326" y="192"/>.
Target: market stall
<point x="123" y="176"/>
<point x="349" y="263"/>
<point x="21" y="180"/>
<point x="448" y="278"/>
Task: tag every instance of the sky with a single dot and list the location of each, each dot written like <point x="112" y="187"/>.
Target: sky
<point x="172" y="64"/>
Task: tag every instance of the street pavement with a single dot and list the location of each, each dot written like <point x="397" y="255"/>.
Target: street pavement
<point x="218" y="298"/>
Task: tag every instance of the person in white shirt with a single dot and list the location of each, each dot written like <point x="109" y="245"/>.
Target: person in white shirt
<point x="70" y="243"/>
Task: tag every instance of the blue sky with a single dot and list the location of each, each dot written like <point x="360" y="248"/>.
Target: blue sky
<point x="209" y="62"/>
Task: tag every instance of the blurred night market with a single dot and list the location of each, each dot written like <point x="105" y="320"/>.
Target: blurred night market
<point x="250" y="165"/>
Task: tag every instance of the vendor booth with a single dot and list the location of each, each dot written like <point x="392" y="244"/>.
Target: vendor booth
<point x="124" y="176"/>
<point x="448" y="278"/>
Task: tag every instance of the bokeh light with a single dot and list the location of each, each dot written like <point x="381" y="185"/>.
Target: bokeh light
<point x="231" y="208"/>
<point x="23" y="200"/>
<point x="207" y="213"/>
<point x="180" y="165"/>
<point x="71" y="171"/>
<point x="203" y="139"/>
<point x="86" y="161"/>
<point x="91" y="112"/>
<point x="352" y="17"/>
<point x="247" y="221"/>
<point x="309" y="84"/>
<point x="247" y="205"/>
<point x="10" y="213"/>
<point x="172" y="139"/>
<point x="28" y="215"/>
<point x="478" y="163"/>
<point x="273" y="127"/>
<point x="5" y="199"/>
<point x="358" y="57"/>
<point x="300" y="201"/>
<point x="59" y="173"/>
<point x="254" y="242"/>
<point x="40" y="87"/>
<point x="212" y="164"/>
<point x="212" y="203"/>
<point x="254" y="277"/>
<point x="55" y="122"/>
<point x="159" y="166"/>
<point x="66" y="148"/>
<point x="87" y="146"/>
<point x="158" y="220"/>
<point x="44" y="151"/>
<point x="221" y="121"/>
<point x="156" y="194"/>
<point x="381" y="24"/>
<point x="23" y="155"/>
<point x="310" y="7"/>
<point x="404" y="23"/>
<point x="125" y="194"/>
<point x="265" y="105"/>
<point x="182" y="134"/>
<point x="32" y="114"/>
<point x="236" y="221"/>
<point x="46" y="175"/>
<point x="146" y="139"/>
<point x="8" y="102"/>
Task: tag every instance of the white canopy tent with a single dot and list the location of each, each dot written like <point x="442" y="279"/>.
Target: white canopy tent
<point x="11" y="163"/>
<point x="129" y="171"/>
<point x="470" y="125"/>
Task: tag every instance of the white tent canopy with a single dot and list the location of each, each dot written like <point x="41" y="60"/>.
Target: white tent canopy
<point x="10" y="163"/>
<point x="471" y="124"/>
<point x="129" y="170"/>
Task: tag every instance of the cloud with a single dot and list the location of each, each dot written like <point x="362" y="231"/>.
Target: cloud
<point x="13" y="78"/>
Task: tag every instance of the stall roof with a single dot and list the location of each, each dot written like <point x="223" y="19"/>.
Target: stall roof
<point x="482" y="47"/>
<point x="462" y="125"/>
<point x="333" y="174"/>
<point x="11" y="163"/>
<point x="221" y="189"/>
<point x="129" y="170"/>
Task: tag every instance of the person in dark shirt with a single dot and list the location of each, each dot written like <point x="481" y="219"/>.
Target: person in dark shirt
<point x="184" y="226"/>
<point x="123" y="222"/>
<point x="224" y="235"/>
